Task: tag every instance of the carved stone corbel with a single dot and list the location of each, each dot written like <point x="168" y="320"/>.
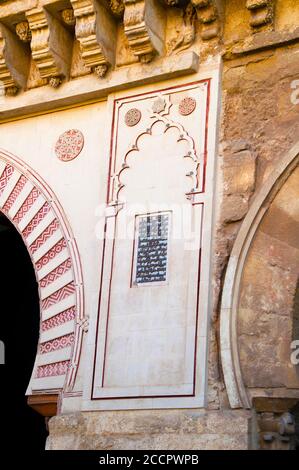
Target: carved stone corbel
<point x="96" y="33"/>
<point x="51" y="45"/>
<point x="274" y="424"/>
<point x="8" y="85"/>
<point x="144" y="25"/>
<point x="14" y="62"/>
<point x="261" y="11"/>
<point x="209" y="15"/>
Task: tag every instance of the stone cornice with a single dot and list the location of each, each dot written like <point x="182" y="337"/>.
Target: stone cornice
<point x="261" y="41"/>
<point x="89" y="88"/>
<point x="14" y="61"/>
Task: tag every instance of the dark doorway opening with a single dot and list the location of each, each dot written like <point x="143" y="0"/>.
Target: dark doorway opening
<point x="19" y="329"/>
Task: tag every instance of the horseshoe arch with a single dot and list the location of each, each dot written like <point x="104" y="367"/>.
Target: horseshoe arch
<point x="28" y="202"/>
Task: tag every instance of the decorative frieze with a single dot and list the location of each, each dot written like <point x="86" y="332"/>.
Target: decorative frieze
<point x="144" y="25"/>
<point x="51" y="46"/>
<point x="96" y="33"/>
<point x="261" y="11"/>
<point x="208" y="14"/>
<point x="50" y="41"/>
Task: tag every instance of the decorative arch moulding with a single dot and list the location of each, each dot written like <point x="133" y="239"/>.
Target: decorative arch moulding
<point x="181" y="107"/>
<point x="237" y="392"/>
<point x="28" y="202"/>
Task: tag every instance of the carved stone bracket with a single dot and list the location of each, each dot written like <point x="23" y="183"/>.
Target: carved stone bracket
<point x="262" y="12"/>
<point x="275" y="423"/>
<point x="51" y="45"/>
<point x="9" y="86"/>
<point x="208" y="14"/>
<point x="144" y="25"/>
<point x="14" y="62"/>
<point x="96" y="33"/>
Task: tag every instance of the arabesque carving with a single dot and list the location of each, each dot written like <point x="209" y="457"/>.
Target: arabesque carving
<point x="23" y="31"/>
<point x="9" y="86"/>
<point x="184" y="32"/>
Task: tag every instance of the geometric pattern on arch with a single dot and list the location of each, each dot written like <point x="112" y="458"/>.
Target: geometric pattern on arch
<point x="28" y="202"/>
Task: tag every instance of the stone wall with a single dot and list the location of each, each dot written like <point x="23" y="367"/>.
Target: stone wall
<point x="152" y="430"/>
<point x="259" y="125"/>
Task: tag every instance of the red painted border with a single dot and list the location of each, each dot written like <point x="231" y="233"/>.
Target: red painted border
<point x="114" y="133"/>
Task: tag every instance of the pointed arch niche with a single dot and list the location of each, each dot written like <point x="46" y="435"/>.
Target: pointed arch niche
<point x="28" y="202"/>
<point x="150" y="341"/>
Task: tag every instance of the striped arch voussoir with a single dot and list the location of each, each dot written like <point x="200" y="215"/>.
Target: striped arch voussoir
<point x="27" y="201"/>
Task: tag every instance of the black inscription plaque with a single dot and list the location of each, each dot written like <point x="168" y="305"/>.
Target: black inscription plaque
<point x="152" y="245"/>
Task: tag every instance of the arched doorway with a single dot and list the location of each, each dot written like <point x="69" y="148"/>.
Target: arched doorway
<point x="38" y="218"/>
<point x="20" y="320"/>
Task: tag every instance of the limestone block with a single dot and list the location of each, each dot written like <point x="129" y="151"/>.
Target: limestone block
<point x="239" y="173"/>
<point x="151" y="430"/>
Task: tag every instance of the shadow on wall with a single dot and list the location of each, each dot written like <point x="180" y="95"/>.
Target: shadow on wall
<point x="19" y="329"/>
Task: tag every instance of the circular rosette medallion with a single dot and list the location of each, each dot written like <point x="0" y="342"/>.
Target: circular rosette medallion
<point x="132" y="117"/>
<point x="69" y="145"/>
<point x="187" y="106"/>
